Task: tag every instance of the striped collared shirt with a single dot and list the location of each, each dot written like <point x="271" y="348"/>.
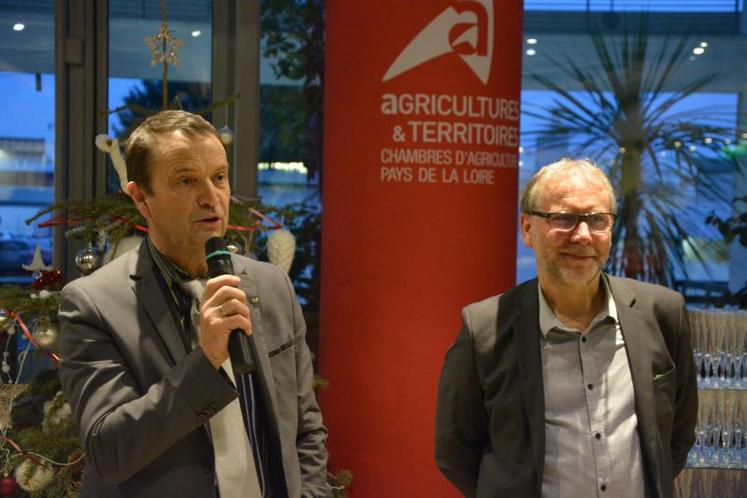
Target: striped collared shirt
<point x="172" y="277"/>
<point x="592" y="447"/>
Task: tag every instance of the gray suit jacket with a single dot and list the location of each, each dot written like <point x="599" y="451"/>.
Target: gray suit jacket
<point x="141" y="402"/>
<point x="490" y="422"/>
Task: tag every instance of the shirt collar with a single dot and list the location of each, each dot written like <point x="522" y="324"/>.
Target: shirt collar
<point x="548" y="320"/>
<point x="171" y="273"/>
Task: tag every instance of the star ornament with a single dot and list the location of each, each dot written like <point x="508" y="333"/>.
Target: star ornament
<point x="8" y="392"/>
<point x="164" y="47"/>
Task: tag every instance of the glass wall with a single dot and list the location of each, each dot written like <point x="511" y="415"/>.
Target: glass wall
<point x="667" y="122"/>
<point x="135" y="85"/>
<point x="26" y="133"/>
<point x="290" y="148"/>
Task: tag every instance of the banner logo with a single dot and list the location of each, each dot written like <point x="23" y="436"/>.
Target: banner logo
<point x="465" y="28"/>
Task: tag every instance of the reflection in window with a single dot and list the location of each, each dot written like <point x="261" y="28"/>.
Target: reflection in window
<point x="132" y="79"/>
<point x="26" y="136"/>
<point x="709" y="118"/>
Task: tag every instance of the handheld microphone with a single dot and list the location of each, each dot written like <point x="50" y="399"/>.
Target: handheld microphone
<point x="240" y="347"/>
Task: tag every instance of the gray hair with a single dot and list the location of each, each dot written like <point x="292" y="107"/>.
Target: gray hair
<point x="536" y="185"/>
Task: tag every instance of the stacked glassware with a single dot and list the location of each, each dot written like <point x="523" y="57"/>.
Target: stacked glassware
<point x="719" y="347"/>
<point x="718" y="340"/>
<point x="719" y="434"/>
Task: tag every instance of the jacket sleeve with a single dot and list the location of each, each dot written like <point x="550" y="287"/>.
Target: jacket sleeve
<point x="125" y="426"/>
<point x="686" y="396"/>
<point x="461" y="422"/>
<point x="312" y="435"/>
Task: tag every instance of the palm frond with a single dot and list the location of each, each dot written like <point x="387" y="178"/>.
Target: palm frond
<point x="627" y="114"/>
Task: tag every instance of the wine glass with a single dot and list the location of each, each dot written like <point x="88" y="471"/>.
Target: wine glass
<point x="695" y="317"/>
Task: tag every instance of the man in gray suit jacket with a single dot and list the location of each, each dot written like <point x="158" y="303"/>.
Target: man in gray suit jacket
<point x="145" y="365"/>
<point x="575" y="384"/>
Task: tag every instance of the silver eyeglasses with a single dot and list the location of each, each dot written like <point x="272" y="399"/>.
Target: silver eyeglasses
<point x="567" y="222"/>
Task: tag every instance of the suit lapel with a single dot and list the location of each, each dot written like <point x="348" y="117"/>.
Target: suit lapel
<point x="527" y="333"/>
<point x="148" y="291"/>
<point x="254" y="300"/>
<point x="249" y="286"/>
<point x="265" y="382"/>
<point x="633" y="324"/>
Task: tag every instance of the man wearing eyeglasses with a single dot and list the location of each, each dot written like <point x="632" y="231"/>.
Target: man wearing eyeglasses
<point x="574" y="384"/>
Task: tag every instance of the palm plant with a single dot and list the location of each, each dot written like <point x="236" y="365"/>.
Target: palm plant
<point x="625" y="115"/>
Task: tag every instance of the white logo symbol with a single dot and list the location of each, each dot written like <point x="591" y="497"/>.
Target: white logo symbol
<point x="465" y="28"/>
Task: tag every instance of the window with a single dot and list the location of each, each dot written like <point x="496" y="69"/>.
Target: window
<point x="688" y="129"/>
<point x="26" y="133"/>
<point x="134" y="81"/>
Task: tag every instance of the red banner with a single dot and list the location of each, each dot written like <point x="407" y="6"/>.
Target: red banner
<point x="419" y="219"/>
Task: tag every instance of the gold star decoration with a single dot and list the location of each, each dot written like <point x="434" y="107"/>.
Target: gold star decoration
<point x="164" y="46"/>
<point x="8" y="392"/>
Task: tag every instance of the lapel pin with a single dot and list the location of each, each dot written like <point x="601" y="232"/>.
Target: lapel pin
<point x="254" y="299"/>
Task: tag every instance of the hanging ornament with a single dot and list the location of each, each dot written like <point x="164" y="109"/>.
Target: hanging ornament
<point x="37" y="264"/>
<point x="103" y="239"/>
<point x="110" y="145"/>
<point x="56" y="411"/>
<point x="6" y="365"/>
<point x="226" y="135"/>
<point x="8" y="392"/>
<point x="48" y="279"/>
<point x="87" y="260"/>
<point x="5" y="320"/>
<point x="45" y="333"/>
<point x="7" y="486"/>
<point x="39" y="476"/>
<point x="163" y="48"/>
<point x="233" y="247"/>
<point x="281" y="248"/>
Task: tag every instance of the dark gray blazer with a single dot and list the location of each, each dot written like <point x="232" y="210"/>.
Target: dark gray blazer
<point x="490" y="421"/>
<point x="141" y="402"/>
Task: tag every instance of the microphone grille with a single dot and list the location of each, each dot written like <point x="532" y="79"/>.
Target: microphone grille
<point x="216" y="247"/>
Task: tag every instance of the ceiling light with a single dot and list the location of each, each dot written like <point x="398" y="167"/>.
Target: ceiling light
<point x="531" y="41"/>
<point x="196" y="33"/>
<point x="677" y="143"/>
<point x="744" y="135"/>
<point x="704" y="44"/>
<point x="521" y="150"/>
<point x="622" y="150"/>
<point x="708" y="140"/>
<point x="698" y="50"/>
<point x="19" y="26"/>
<point x="531" y="51"/>
<point x="691" y="148"/>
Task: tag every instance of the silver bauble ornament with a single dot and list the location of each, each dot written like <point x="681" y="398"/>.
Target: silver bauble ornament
<point x="87" y="260"/>
<point x="226" y="135"/>
<point x="45" y="333"/>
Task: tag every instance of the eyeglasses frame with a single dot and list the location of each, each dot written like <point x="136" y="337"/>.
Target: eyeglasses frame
<point x="580" y="218"/>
